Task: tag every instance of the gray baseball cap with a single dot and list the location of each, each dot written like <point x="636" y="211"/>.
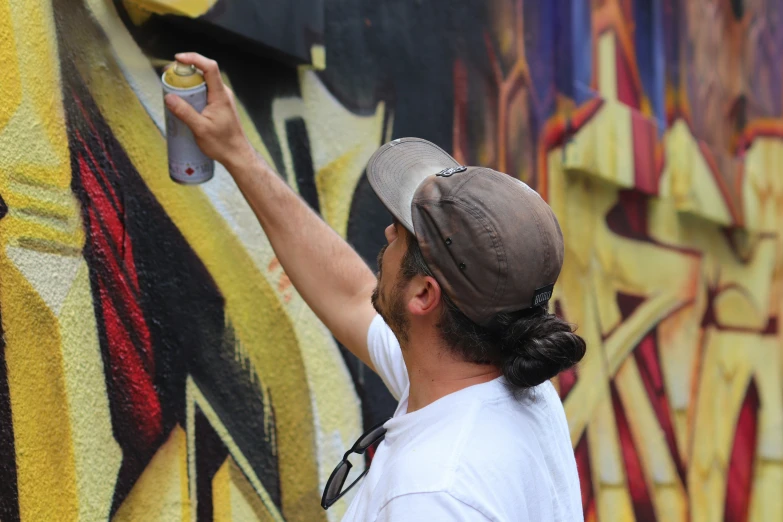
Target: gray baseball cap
<point x="493" y="244"/>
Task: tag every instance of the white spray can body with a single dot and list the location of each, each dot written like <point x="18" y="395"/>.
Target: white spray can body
<point x="187" y="164"/>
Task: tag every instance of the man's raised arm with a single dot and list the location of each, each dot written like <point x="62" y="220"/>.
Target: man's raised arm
<point x="330" y="276"/>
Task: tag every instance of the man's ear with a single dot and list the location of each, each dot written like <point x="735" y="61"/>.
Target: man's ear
<point x="426" y="295"/>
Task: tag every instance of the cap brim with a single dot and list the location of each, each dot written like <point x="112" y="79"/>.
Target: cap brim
<point x="397" y="169"/>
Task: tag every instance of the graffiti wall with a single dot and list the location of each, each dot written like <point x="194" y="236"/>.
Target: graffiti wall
<point x="155" y="361"/>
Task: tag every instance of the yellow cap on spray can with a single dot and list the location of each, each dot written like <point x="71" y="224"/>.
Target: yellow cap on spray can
<point x="183" y="76"/>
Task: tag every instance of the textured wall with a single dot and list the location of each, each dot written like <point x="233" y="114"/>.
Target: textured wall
<point x="156" y="362"/>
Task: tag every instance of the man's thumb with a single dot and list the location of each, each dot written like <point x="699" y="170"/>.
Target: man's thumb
<point x="182" y="110"/>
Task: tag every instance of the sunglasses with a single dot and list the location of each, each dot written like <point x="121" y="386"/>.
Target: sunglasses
<point x="334" y="486"/>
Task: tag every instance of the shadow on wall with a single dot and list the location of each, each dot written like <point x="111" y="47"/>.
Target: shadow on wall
<point x="157" y="362"/>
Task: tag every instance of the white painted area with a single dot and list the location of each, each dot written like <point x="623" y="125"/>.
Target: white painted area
<point x="50" y="274"/>
<point x="326" y="114"/>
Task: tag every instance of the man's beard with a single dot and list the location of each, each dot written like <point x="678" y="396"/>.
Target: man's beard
<point x="392" y="310"/>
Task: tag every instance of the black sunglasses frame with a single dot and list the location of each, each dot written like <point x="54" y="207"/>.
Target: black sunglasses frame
<point x="326" y="503"/>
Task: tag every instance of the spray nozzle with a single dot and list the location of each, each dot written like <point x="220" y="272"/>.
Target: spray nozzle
<point x="182" y="69"/>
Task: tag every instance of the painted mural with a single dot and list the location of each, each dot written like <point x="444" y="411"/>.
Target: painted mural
<point x="155" y="361"/>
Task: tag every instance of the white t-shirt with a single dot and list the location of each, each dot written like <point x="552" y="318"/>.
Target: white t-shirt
<point x="474" y="455"/>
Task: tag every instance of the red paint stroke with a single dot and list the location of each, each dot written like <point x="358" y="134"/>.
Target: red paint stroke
<point x="648" y="361"/>
<point x="637" y="486"/>
<point x="628" y="218"/>
<point x="772" y="327"/>
<point x="104" y="178"/>
<point x="122" y="291"/>
<point x="102" y="189"/>
<point x="129" y="376"/>
<point x="627" y="92"/>
<point x="645" y="141"/>
<point x="111" y="220"/>
<point x="628" y="303"/>
<point x="127" y="251"/>
<point x="649" y="364"/>
<point x="567" y="380"/>
<point x="740" y="473"/>
<point x="95" y="132"/>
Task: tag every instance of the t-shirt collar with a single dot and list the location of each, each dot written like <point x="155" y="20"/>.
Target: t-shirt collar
<point x="407" y="422"/>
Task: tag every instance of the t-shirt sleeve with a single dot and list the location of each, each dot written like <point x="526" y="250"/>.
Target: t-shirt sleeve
<point x="429" y="507"/>
<point x="386" y="356"/>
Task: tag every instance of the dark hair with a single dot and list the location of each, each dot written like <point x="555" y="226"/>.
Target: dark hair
<point x="529" y="349"/>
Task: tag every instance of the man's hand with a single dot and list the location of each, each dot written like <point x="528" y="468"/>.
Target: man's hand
<point x="217" y="129"/>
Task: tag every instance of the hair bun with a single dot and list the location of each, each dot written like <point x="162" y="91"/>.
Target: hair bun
<point x="537" y="347"/>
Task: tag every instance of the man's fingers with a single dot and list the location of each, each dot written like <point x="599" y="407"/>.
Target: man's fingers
<point x="211" y="72"/>
<point x="184" y="111"/>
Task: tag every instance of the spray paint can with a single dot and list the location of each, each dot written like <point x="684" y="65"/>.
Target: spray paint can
<point x="187" y="164"/>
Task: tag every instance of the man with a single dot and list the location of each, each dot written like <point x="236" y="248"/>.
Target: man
<point x="461" y="337"/>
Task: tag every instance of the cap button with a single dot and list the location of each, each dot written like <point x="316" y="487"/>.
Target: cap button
<point x="462" y="266"/>
<point x="448" y="240"/>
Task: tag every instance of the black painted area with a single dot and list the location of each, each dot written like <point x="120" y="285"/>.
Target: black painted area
<point x="299" y="145"/>
<point x="738" y="8"/>
<point x="210" y="455"/>
<point x="402" y="52"/>
<point x="9" y="496"/>
<point x="236" y="397"/>
<point x="3" y="207"/>
<point x="287" y="28"/>
<point x="284" y="31"/>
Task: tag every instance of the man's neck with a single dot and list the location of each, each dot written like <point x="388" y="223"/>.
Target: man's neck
<point x="434" y="371"/>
